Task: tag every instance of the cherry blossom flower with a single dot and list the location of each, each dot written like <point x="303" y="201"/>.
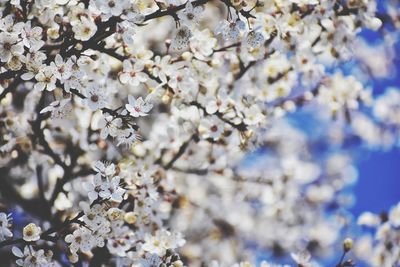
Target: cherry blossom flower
<point x="211" y="128"/>
<point x="254" y="115"/>
<point x="112" y="189"/>
<point x="46" y="80"/>
<point x="127" y="137"/>
<point x="105" y="169"/>
<point x="163" y="67"/>
<point x="8" y="25"/>
<point x="112" y="7"/>
<point x="85" y="29"/>
<point x="121" y="242"/>
<point x="16" y="62"/>
<point x="127" y="32"/>
<point x="203" y="43"/>
<point x="34" y="64"/>
<point x="132" y="73"/>
<point x="31" y="232"/>
<point x="154" y="245"/>
<point x="183" y="82"/>
<point x="109" y="126"/>
<point x="94" y="188"/>
<point x="63" y="69"/>
<point x="94" y="216"/>
<point x="59" y="109"/>
<point x="31" y="37"/>
<point x="181" y="39"/>
<point x="138" y="107"/>
<point x="95" y="97"/>
<point x="190" y="15"/>
<point x="80" y="240"/>
<point x="214" y="104"/>
<point x="254" y="39"/>
<point x="33" y="258"/>
<point x="230" y="30"/>
<point x="133" y="14"/>
<point x="9" y="45"/>
<point x="161" y="241"/>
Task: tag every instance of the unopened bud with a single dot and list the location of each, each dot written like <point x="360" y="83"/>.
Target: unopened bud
<point x="178" y="263"/>
<point x="79" y="46"/>
<point x="347" y="244"/>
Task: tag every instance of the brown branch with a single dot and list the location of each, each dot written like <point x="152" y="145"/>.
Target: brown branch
<point x="46" y="235"/>
<point x="180" y="152"/>
<point x="242" y="127"/>
<point x="225" y="48"/>
<point x="171" y="10"/>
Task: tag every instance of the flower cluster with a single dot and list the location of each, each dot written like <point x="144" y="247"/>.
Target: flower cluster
<point x="32" y="257"/>
<point x="5" y="223"/>
<point x="160" y="133"/>
<point x="382" y="249"/>
<point x="105" y="185"/>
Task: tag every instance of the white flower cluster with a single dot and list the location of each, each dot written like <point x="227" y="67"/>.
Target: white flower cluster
<point x="167" y="99"/>
<point x="105" y="185"/>
<point x="33" y="258"/>
<point x="5" y="223"/>
<point x="383" y="248"/>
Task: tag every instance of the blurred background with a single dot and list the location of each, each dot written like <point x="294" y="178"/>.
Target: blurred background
<point x="378" y="186"/>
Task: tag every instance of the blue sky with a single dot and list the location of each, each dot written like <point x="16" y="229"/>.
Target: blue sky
<point x="378" y="186"/>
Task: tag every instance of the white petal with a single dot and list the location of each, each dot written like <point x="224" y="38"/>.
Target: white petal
<point x="17" y="252"/>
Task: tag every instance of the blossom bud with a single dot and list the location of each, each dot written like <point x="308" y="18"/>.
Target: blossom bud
<point x="178" y="263"/>
<point x="187" y="56"/>
<point x="79" y="46"/>
<point x="130" y="218"/>
<point x="347" y="244"/>
<point x="374" y="23"/>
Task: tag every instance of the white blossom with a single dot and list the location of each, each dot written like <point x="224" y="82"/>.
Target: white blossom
<point x="9" y="45"/>
<point x="31" y="232"/>
<point x="95" y="96"/>
<point x="181" y="39"/>
<point x="46" y="79"/>
<point x="85" y="29"/>
<point x="138" y="107"/>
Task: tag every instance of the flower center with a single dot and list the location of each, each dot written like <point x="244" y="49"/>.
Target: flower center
<point x="94" y="98"/>
<point x="7" y="46"/>
<point x="190" y="16"/>
<point x="111" y="4"/>
<point x="182" y="33"/>
<point x="78" y="239"/>
<point x="86" y="30"/>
